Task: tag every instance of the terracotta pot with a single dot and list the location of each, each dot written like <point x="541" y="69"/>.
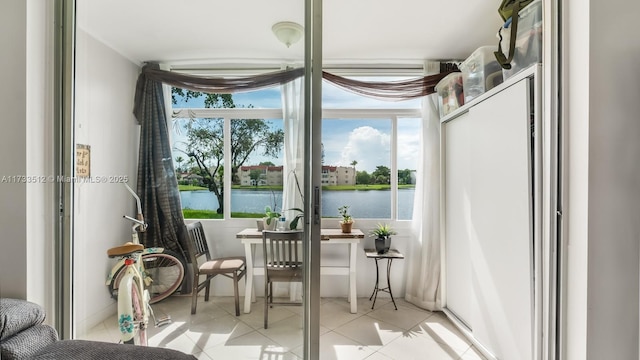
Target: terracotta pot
<point x="346" y="227"/>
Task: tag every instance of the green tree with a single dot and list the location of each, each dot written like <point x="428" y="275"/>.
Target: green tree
<point x="404" y="176"/>
<point x="354" y="163"/>
<point x="179" y="161"/>
<point x="382" y="175"/>
<point x="267" y="163"/>
<point x="255" y="175"/>
<point x="363" y="177"/>
<point x="205" y="142"/>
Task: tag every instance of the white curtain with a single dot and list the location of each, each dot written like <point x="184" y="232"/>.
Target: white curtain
<point x="293" y="167"/>
<point x="423" y="260"/>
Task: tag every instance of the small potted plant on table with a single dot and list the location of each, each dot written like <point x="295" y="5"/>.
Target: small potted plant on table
<point x="347" y="221"/>
<point x="271" y="218"/>
<point x="382" y="234"/>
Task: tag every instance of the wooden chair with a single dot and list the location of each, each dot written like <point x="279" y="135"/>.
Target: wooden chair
<point x="231" y="267"/>
<point x="282" y="263"/>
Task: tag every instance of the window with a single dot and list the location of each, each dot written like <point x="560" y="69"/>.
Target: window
<point x="368" y="141"/>
<point x="369" y="154"/>
<point x="407" y="160"/>
<point x="257" y="183"/>
<point x="228" y="148"/>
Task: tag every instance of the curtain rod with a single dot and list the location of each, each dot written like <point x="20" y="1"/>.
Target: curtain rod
<point x="337" y="69"/>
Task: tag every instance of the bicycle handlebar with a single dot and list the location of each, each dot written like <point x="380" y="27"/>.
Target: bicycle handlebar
<point x="141" y="225"/>
<point x="139" y="222"/>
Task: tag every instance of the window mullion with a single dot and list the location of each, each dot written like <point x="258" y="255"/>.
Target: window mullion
<point x="394" y="167"/>
<point x="226" y="176"/>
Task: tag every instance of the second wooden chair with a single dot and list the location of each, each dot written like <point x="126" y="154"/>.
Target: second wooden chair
<point x="283" y="263"/>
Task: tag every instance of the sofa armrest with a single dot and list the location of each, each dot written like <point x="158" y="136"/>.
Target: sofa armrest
<point x="27" y="342"/>
<point x="17" y="315"/>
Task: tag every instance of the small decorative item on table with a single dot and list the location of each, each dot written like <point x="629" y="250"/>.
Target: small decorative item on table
<point x="382" y="234"/>
<point x="347" y="221"/>
<point x="271" y="218"/>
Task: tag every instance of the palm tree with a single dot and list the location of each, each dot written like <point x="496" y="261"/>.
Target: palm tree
<point x="179" y="160"/>
<point x="354" y="163"/>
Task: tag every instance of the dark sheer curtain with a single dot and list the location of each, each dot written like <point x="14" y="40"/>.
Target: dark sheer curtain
<point x="157" y="183"/>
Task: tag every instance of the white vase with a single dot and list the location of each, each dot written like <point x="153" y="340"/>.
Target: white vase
<point x="271" y="226"/>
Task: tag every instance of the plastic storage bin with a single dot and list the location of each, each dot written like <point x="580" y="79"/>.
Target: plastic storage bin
<point x="528" y="50"/>
<point x="450" y="93"/>
<point x="480" y="72"/>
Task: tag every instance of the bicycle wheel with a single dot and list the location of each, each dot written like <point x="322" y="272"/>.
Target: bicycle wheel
<point x="166" y="271"/>
<point x="139" y="325"/>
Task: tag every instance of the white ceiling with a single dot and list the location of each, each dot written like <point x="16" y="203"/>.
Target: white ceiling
<point x="206" y="32"/>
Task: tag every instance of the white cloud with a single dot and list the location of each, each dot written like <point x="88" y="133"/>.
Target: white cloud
<point x="408" y="150"/>
<point x="368" y="146"/>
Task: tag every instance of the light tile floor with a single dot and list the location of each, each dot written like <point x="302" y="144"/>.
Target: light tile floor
<point x="384" y="333"/>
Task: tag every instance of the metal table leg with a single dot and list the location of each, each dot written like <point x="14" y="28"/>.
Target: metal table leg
<point x="377" y="288"/>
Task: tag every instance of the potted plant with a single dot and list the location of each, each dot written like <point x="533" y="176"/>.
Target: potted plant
<point x="382" y="234"/>
<point x="271" y="218"/>
<point x="293" y="225"/>
<point x="347" y="221"/>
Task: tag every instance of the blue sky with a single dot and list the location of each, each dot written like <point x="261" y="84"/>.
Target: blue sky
<point x="365" y="140"/>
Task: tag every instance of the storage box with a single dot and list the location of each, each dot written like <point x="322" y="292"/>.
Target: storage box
<point x="450" y="93"/>
<point x="528" y="49"/>
<point x="480" y="72"/>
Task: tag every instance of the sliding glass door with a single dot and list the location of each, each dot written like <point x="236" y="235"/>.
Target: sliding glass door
<point x="225" y="156"/>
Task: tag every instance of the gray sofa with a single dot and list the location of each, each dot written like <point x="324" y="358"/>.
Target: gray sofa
<point x="24" y="336"/>
<point x="22" y="332"/>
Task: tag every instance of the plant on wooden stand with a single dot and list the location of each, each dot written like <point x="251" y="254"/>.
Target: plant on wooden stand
<point x="347" y="221"/>
<point x="382" y="234"/>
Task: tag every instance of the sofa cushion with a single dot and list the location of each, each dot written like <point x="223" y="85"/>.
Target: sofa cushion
<point x="27" y="342"/>
<point x="17" y="315"/>
<point x="96" y="350"/>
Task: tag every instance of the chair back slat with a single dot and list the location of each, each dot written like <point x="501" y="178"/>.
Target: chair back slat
<point x="281" y="249"/>
<point x="197" y="242"/>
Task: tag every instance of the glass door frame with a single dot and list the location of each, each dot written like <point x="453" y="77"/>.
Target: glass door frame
<point x="65" y="63"/>
<point x="312" y="176"/>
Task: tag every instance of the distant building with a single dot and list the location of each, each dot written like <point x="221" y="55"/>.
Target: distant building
<point x="272" y="175"/>
<point x="269" y="175"/>
<point x="193" y="179"/>
<point x="338" y="175"/>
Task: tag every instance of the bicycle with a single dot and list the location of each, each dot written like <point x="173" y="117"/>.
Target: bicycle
<point x="134" y="306"/>
<point x="163" y="272"/>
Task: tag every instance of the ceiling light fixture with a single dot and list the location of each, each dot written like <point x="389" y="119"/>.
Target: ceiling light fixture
<point x="288" y="32"/>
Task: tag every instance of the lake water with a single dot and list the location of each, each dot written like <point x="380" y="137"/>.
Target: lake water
<point x="366" y="204"/>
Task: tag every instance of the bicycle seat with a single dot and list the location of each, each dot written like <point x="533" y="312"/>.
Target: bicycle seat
<point x="124" y="250"/>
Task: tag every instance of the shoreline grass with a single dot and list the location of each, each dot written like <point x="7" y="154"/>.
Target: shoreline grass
<point x="360" y="187"/>
<point x="212" y="214"/>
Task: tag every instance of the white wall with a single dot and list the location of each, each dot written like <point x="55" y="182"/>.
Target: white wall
<point x="26" y="142"/>
<point x="13" y="97"/>
<point x="41" y="216"/>
<point x="604" y="180"/>
<point x="105" y="85"/>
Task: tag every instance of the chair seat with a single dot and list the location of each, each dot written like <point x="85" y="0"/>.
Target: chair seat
<point x="222" y="264"/>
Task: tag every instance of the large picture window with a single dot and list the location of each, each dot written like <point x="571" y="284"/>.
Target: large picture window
<point x="369" y="154"/>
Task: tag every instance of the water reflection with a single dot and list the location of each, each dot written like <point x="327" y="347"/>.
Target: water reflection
<point x="372" y="204"/>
